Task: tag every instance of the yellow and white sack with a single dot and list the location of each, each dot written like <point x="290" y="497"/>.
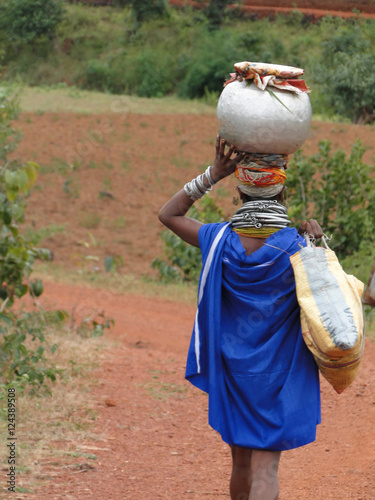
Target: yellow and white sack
<point x="331" y="313"/>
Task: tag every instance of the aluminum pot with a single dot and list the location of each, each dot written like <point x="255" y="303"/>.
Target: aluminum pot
<point x="256" y="121"/>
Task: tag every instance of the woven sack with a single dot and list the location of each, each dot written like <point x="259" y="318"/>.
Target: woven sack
<point x="331" y="313"/>
<point x="369" y="294"/>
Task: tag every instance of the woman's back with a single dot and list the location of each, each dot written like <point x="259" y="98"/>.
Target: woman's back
<point x="251" y="244"/>
<point x="263" y="384"/>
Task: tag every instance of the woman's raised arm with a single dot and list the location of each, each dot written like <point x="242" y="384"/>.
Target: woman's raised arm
<point x="172" y="214"/>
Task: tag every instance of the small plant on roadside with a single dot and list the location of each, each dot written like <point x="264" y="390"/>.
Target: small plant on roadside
<point x="44" y="233"/>
<point x="113" y="263"/>
<point x="94" y="326"/>
<point x="18" y="359"/>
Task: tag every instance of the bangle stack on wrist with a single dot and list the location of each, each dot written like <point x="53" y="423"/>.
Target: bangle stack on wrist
<point x="196" y="188"/>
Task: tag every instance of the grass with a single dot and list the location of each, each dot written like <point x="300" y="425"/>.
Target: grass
<point x="163" y="391"/>
<point x="118" y="283"/>
<point x="52" y="100"/>
<point x="53" y="430"/>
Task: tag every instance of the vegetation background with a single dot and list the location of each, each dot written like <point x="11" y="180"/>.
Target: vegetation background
<point x="162" y="59"/>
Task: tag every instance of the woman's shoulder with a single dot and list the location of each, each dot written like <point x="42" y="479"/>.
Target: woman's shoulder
<point x="208" y="232"/>
<point x="288" y="238"/>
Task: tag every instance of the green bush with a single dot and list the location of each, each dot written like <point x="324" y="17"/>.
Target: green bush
<point x="155" y="78"/>
<point x="183" y="261"/>
<point x="208" y="66"/>
<point x="337" y="190"/>
<point x="98" y="76"/>
<point x="359" y="263"/>
<point x="350" y="87"/>
<point x="147" y="9"/>
<point x="215" y="11"/>
<point x="24" y="20"/>
<point x="18" y="362"/>
<point x="346" y="76"/>
<point x="206" y="69"/>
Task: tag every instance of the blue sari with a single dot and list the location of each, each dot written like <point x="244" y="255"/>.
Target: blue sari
<point x="247" y="350"/>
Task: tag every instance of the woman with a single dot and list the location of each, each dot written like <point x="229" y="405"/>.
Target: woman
<point x="247" y="350"/>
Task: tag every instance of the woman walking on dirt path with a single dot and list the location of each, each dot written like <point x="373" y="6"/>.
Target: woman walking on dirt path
<point x="247" y="351"/>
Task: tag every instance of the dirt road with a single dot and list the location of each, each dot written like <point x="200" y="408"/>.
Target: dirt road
<point x="156" y="443"/>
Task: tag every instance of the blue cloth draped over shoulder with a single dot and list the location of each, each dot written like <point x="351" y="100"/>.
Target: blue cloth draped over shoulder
<point x="247" y="350"/>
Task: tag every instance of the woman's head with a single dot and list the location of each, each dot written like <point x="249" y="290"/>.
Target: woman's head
<point x="245" y="197"/>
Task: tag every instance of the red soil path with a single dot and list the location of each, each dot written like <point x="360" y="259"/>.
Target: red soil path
<point x="156" y="443"/>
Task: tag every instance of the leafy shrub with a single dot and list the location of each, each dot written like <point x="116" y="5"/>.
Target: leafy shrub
<point x="147" y="9"/>
<point x="17" y="255"/>
<point x="154" y="80"/>
<point x="351" y="89"/>
<point x="347" y="81"/>
<point x="147" y="74"/>
<point x="24" y="20"/>
<point x="215" y="11"/>
<point x="20" y="362"/>
<point x="338" y="191"/>
<point x="360" y="262"/>
<point x="208" y="66"/>
<point x="183" y="260"/>
<point x="94" y="326"/>
<point x="98" y="76"/>
<point x="206" y="69"/>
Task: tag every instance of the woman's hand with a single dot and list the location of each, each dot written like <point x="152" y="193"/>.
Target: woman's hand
<point x="312" y="228"/>
<point x="224" y="164"/>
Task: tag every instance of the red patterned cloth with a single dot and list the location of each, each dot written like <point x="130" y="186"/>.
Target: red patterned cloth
<point x="263" y="75"/>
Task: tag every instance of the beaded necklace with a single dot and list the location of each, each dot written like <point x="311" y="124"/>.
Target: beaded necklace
<point x="260" y="219"/>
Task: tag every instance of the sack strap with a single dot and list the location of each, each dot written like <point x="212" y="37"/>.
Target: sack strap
<point x="310" y="240"/>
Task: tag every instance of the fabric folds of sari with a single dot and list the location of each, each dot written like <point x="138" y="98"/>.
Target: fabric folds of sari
<point x="247" y="350"/>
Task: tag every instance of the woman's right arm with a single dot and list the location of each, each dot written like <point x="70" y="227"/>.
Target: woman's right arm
<point x="172" y="214"/>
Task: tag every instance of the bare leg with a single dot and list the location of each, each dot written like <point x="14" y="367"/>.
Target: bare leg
<point x="264" y="467"/>
<point x="240" y="481"/>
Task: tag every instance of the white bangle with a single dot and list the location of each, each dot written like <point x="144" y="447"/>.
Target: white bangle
<point x="196" y="188"/>
<point x="208" y="176"/>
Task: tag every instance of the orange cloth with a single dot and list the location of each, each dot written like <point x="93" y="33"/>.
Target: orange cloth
<point x="271" y="176"/>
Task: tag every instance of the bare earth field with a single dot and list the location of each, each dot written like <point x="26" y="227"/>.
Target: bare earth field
<point x="103" y="179"/>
